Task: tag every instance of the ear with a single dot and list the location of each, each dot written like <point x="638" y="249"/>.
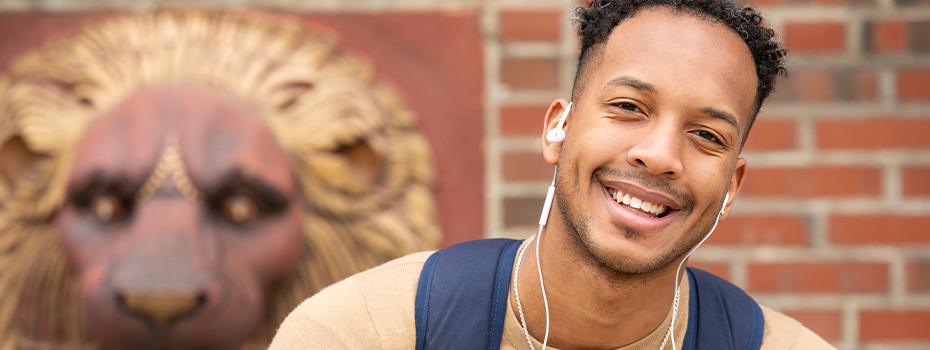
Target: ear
<point x="551" y="150"/>
<point x="736" y="182"/>
<point x="16" y="161"/>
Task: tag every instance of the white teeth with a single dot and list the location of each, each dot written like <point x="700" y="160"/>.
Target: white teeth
<point x="633" y="202"/>
<point x="656" y="209"/>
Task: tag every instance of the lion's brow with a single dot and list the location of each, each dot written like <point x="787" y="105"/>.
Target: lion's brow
<point x="236" y="181"/>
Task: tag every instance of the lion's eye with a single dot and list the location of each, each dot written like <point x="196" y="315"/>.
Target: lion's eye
<point x="106" y="207"/>
<point x="239" y="209"/>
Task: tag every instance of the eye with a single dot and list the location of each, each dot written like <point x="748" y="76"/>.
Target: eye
<point x="628" y="106"/>
<point x="708" y="136"/>
<point x="107" y="208"/>
<point x="239" y="209"/>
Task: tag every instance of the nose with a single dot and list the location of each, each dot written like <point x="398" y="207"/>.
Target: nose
<point x="659" y="151"/>
<point x="161" y="309"/>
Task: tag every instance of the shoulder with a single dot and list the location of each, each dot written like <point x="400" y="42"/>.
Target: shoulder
<point x="783" y="332"/>
<point x="371" y="309"/>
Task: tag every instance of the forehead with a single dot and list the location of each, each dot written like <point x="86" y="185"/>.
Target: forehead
<point x="218" y="133"/>
<point x="682" y="54"/>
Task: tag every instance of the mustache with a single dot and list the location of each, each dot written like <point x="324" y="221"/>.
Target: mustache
<point x="652" y="183"/>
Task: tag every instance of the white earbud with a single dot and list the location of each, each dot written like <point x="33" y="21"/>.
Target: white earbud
<point x="557" y="134"/>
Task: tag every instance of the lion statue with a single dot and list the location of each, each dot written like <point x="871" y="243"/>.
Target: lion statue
<point x="184" y="179"/>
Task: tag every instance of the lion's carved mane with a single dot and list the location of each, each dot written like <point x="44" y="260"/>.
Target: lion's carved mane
<point x="317" y="101"/>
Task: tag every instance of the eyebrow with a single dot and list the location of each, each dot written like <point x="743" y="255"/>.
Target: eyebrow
<point x="633" y="83"/>
<point x="236" y="181"/>
<point x="722" y="115"/>
<point x="83" y="189"/>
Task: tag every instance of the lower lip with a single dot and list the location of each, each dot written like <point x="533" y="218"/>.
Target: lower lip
<point x="635" y="221"/>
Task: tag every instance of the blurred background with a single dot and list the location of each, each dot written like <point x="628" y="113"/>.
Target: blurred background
<point x="833" y="224"/>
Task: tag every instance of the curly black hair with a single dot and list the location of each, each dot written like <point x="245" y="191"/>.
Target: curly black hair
<point x="597" y="20"/>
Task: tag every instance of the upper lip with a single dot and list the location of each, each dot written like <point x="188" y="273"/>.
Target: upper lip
<point x="644" y="194"/>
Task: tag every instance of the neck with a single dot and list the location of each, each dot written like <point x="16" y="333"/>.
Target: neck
<point x="590" y="306"/>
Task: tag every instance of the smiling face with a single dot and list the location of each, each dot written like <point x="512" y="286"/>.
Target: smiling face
<point x="181" y="212"/>
<point x="653" y="139"/>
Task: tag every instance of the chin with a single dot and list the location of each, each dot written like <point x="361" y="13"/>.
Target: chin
<point x="626" y="251"/>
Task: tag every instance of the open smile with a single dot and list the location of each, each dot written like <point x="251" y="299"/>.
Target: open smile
<point x="637" y="209"/>
<point x="637" y="205"/>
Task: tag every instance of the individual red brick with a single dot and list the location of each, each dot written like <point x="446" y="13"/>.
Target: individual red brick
<point x="827" y="324"/>
<point x="719" y="269"/>
<point x="530" y="73"/>
<point x="759" y="230"/>
<point x="835" y="85"/>
<point x="815" y="37"/>
<point x="889" y="36"/>
<point x="815" y="86"/>
<point x="826" y="277"/>
<point x="918" y="276"/>
<point x="523" y="120"/>
<point x="818" y="86"/>
<point x="841" y="133"/>
<point x="769" y="135"/>
<point x="530" y="25"/>
<point x="894" y="325"/>
<point x="526" y="167"/>
<point x="522" y="211"/>
<point x="916" y="181"/>
<point x="812" y="181"/>
<point x="917" y="33"/>
<point x="879" y="229"/>
<point x="914" y="85"/>
<point x="856" y="85"/>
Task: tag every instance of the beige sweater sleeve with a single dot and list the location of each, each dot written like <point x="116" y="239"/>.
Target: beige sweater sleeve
<point x="783" y="332"/>
<point x="371" y="310"/>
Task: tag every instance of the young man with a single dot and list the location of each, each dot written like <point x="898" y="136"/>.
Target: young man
<point x="664" y="97"/>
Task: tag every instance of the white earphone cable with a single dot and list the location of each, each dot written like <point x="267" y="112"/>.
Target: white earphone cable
<point x="543" y="287"/>
<point x="671" y="327"/>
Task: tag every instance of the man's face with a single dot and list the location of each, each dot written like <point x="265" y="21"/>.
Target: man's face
<point x="665" y="105"/>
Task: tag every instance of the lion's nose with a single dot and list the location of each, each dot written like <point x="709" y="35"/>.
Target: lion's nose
<point x="161" y="309"/>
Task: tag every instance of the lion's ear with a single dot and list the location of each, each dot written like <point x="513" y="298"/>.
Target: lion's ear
<point x="16" y="161"/>
<point x="363" y="157"/>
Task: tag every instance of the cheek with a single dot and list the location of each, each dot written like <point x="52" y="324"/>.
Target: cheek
<point x="708" y="175"/>
<point x="272" y="249"/>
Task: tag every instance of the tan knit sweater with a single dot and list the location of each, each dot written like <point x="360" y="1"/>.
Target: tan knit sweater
<point x="374" y="310"/>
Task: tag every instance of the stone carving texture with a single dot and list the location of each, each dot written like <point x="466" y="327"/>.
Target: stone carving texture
<point x="323" y="106"/>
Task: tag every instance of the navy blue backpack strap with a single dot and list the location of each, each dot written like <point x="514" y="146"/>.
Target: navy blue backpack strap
<point x="721" y="315"/>
<point x="462" y="295"/>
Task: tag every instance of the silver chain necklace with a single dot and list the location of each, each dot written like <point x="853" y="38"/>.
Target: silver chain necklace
<point x="516" y="291"/>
